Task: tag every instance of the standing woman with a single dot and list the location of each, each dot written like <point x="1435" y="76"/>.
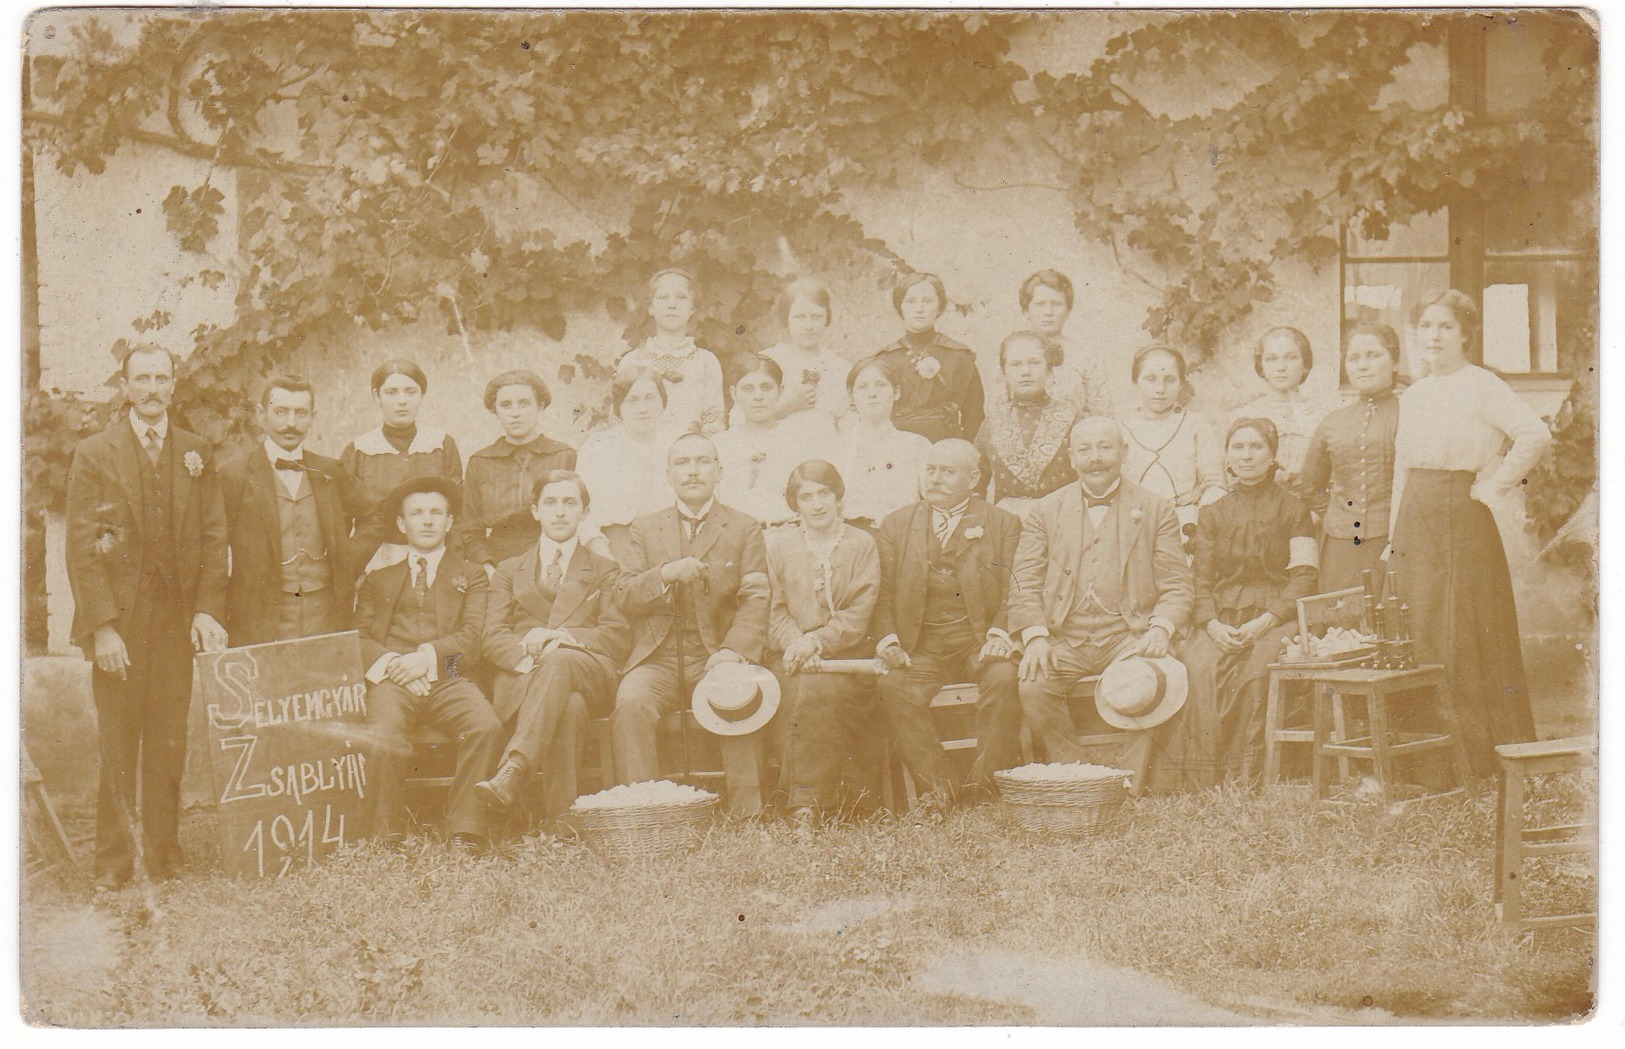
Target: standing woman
<point x="1255" y="556"/>
<point x="757" y="455"/>
<point x="825" y="579"/>
<point x="1076" y="377"/>
<point x="813" y="373"/>
<point x="1168" y="450"/>
<point x="1025" y="439"/>
<point x="693" y="376"/>
<point x="941" y="388"/>
<point x="880" y="463"/>
<point x="497" y="522"/>
<point x="1348" y="471"/>
<point x="625" y="466"/>
<point x="1282" y="359"/>
<point x="398" y="450"/>
<point x="1446" y="548"/>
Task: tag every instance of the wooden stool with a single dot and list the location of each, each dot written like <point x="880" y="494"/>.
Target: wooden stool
<point x="1514" y="841"/>
<point x="1275" y="733"/>
<point x="1383" y="744"/>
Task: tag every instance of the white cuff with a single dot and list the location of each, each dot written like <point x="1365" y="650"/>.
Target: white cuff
<point x="427" y="651"/>
<point x="885" y="643"/>
<point x="1002" y="635"/>
<point x="379" y="669"/>
<point x="1031" y="632"/>
<point x="1167" y="627"/>
<point x="524" y="666"/>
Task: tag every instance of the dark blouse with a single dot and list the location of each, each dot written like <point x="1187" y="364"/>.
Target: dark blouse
<point x="1028" y="447"/>
<point x="1242" y="551"/>
<point x="941" y="393"/>
<point x="1348" y="472"/>
<point x="378" y="466"/>
<point x="496" y="523"/>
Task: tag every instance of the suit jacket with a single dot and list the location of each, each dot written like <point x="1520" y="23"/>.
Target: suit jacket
<point x="105" y="517"/>
<point x="253" y="605"/>
<point x="458" y="595"/>
<point x="516" y="606"/>
<point x="1156" y="578"/>
<point x="982" y="566"/>
<point x="732" y="599"/>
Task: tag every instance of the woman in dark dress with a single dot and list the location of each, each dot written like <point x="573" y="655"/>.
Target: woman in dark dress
<point x="496" y="523"/>
<point x="1025" y="438"/>
<point x="1256" y="554"/>
<point x="941" y="394"/>
<point x="399" y="449"/>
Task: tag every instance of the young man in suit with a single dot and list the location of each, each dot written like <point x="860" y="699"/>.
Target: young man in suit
<point x="695" y="593"/>
<point x="1100" y="573"/>
<point x="146" y="553"/>
<point x="556" y="642"/>
<point x="291" y="570"/>
<point x="421" y="621"/>
<point x="944" y="576"/>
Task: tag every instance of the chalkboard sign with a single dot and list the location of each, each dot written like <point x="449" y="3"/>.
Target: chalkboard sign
<point x="288" y="746"/>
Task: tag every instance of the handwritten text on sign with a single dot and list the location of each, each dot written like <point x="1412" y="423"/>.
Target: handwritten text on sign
<point x="287" y="735"/>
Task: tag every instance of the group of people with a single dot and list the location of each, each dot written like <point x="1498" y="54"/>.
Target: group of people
<point x="809" y="511"/>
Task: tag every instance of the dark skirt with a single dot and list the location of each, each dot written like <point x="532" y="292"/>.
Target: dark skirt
<point x="1342" y="561"/>
<point x="1452" y="571"/>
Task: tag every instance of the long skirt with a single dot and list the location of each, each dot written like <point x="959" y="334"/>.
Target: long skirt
<point x="1218" y="735"/>
<point x="1452" y="571"/>
<point x="1343" y="560"/>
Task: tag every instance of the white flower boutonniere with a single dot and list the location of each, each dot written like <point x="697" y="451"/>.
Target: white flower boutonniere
<point x="928" y="367"/>
<point x="973" y="532"/>
<point x="1136" y="515"/>
<point x="461" y="584"/>
<point x="194" y="463"/>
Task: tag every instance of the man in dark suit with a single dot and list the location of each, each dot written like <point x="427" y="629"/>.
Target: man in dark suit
<point x="291" y="570"/>
<point x="944" y="576"/>
<point x="421" y="622"/>
<point x="146" y="553"/>
<point x="556" y="643"/>
<point x="695" y="593"/>
<point x="1100" y="573"/>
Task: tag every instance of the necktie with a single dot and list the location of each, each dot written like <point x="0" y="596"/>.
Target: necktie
<point x="288" y="464"/>
<point x="693" y="526"/>
<point x="943" y="526"/>
<point x="154" y="446"/>
<point x="420" y="582"/>
<point x="555" y="569"/>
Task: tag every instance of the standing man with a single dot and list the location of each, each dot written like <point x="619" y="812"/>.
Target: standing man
<point x="1100" y="574"/>
<point x="291" y="570"/>
<point x="944" y="575"/>
<point x="556" y="641"/>
<point x="146" y="553"/>
<point x="421" y="621"/>
<point x="695" y="592"/>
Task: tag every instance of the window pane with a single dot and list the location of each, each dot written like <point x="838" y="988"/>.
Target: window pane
<point x="1424" y="235"/>
<point x="1538" y="316"/>
<point x="1387" y="292"/>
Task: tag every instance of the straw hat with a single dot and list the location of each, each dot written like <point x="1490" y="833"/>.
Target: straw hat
<point x="735" y="699"/>
<point x="1138" y="692"/>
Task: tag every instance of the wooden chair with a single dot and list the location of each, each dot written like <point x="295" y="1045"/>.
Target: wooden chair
<point x="1514" y="841"/>
<point x="1382" y="689"/>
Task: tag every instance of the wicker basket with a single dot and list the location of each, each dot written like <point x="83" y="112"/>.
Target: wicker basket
<point x="641" y="831"/>
<point x="1065" y="806"/>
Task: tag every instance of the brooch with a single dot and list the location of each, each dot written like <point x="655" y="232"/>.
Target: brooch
<point x="973" y="532"/>
<point x="194" y="463"/>
<point x="461" y="583"/>
<point x="928" y="367"/>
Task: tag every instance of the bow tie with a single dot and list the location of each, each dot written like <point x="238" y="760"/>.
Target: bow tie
<point x="288" y="464"/>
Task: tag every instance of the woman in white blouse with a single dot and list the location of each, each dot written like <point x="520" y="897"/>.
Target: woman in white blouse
<point x="1445" y="548"/>
<point x="692" y="374"/>
<point x="1283" y="359"/>
<point x="1168" y="450"/>
<point x="880" y="463"/>
<point x="814" y="374"/>
<point x="757" y="455"/>
<point x="624" y="466"/>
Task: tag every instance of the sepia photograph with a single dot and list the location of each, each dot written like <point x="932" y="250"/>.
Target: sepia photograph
<point x="729" y="518"/>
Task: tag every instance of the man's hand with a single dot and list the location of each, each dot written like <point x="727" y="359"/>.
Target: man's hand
<point x="111" y="655"/>
<point x="683" y="570"/>
<point x="412" y="666"/>
<point x="721" y="656"/>
<point x="1249" y="632"/>
<point x="894" y="657"/>
<point x="1223" y="636"/>
<point x="995" y="648"/>
<point x="1037" y="662"/>
<point x="1154" y="643"/>
<point x="537" y="640"/>
<point x="207" y="634"/>
<point x="803" y="651"/>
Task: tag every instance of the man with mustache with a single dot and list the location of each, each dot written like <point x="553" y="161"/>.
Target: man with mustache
<point x="288" y="514"/>
<point x="146" y="558"/>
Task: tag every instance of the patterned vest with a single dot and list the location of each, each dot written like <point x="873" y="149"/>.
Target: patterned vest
<point x="304" y="550"/>
<point x="1097" y="584"/>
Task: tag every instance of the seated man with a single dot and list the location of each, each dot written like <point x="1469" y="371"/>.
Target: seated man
<point x="556" y="643"/>
<point x="1100" y="573"/>
<point x="695" y="592"/>
<point x="944" y="576"/>
<point x="420" y="621"/>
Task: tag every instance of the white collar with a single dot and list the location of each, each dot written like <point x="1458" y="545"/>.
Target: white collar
<point x="140" y="426"/>
<point x="434" y="558"/>
<point x="373" y="442"/>
<point x="705" y="511"/>
<point x="1107" y="494"/>
<point x="274" y="451"/>
<point x="953" y="512"/>
<point x="546" y="546"/>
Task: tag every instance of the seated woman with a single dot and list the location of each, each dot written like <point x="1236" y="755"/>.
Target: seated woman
<point x="813" y="373"/>
<point x="1168" y="450"/>
<point x="1348" y="472"/>
<point x="940" y="386"/>
<point x="693" y="375"/>
<point x="1076" y="377"/>
<point x="1256" y="554"/>
<point x="825" y="580"/>
<point x="497" y="522"/>
<point x="625" y="466"/>
<point x="1282" y="359"/>
<point x="1025" y="437"/>
<point x="757" y="455"/>
<point x="398" y="450"/>
<point x="880" y="463"/>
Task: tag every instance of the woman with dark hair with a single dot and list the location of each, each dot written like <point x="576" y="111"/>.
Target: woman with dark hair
<point x="813" y="373"/>
<point x="758" y="454"/>
<point x="1449" y="471"/>
<point x="1025" y="437"/>
<point x="825" y="579"/>
<point x="1255" y="555"/>
<point x="941" y="389"/>
<point x="881" y="463"/>
<point x="693" y="375"/>
<point x="1348" y="471"/>
<point x="625" y="465"/>
<point x="1168" y="450"/>
<point x="1076" y="377"/>
<point x="1283" y="358"/>
<point x="398" y="450"/>
<point x="496" y="522"/>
